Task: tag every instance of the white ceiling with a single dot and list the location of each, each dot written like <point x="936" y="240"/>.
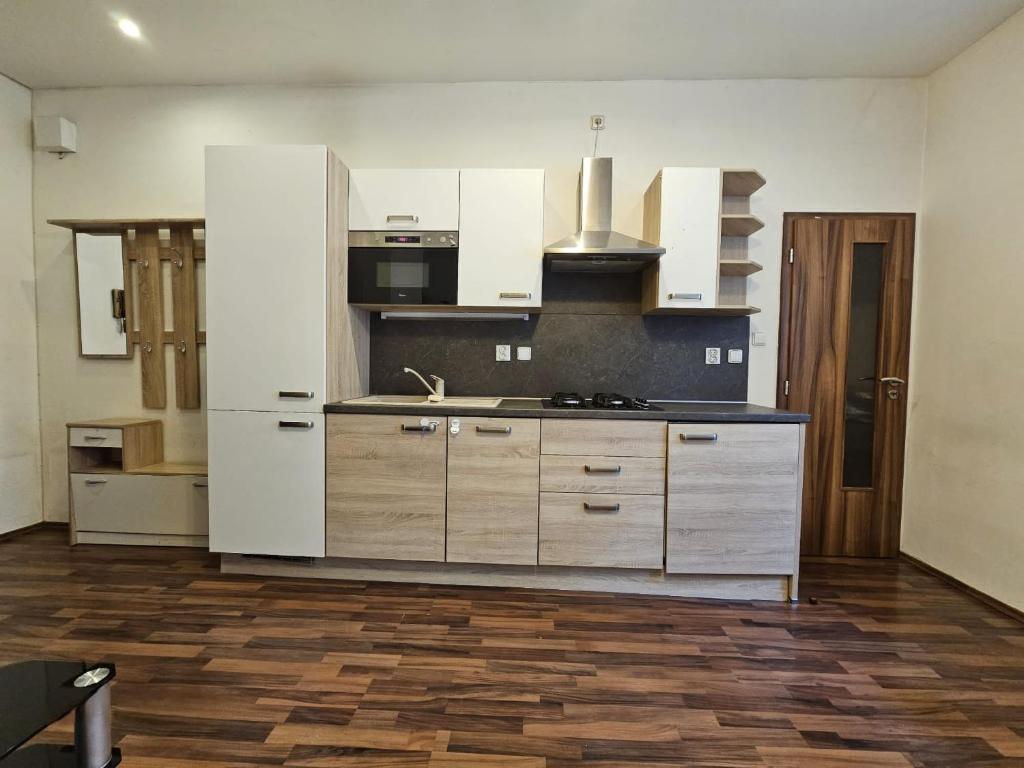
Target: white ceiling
<point x="65" y="43"/>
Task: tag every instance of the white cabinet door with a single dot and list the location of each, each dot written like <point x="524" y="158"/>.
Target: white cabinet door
<point x="501" y="237"/>
<point x="154" y="504"/>
<point x="417" y="199"/>
<point x="266" y="238"/>
<point x="690" y="232"/>
<point x="266" y="482"/>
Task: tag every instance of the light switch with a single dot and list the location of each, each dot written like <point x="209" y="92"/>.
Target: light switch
<point x="524" y="353"/>
<point x="712" y="355"/>
<point x="503" y="353"/>
<point x="758" y="339"/>
<point x="735" y="355"/>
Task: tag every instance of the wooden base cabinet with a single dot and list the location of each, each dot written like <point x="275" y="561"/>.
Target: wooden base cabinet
<point x="733" y="498"/>
<point x="493" y="472"/>
<point x="386" y="486"/>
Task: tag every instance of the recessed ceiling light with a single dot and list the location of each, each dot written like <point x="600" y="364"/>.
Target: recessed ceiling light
<point x="130" y="28"/>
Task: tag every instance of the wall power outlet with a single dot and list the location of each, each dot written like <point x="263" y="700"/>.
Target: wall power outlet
<point x="502" y="352"/>
<point x="712" y="355"/>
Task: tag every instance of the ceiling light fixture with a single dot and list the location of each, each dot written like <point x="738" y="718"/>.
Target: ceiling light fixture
<point x="130" y="28"/>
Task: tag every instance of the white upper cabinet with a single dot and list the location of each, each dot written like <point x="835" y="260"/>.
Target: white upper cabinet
<point x="416" y="199"/>
<point x="682" y="213"/>
<point x="266" y="236"/>
<point x="501" y="237"/>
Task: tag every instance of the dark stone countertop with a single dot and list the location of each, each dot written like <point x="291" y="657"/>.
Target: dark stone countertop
<point x="532" y="408"/>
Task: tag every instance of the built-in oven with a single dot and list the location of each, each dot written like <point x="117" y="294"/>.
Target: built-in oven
<point x="403" y="267"/>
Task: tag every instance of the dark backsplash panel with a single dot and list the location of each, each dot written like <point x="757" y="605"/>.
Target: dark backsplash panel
<point x="589" y="337"/>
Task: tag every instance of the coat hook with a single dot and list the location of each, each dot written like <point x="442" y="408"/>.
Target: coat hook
<point x="182" y="346"/>
<point x="147" y="346"/>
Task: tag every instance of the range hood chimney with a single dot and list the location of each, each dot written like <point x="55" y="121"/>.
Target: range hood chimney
<point x="596" y="247"/>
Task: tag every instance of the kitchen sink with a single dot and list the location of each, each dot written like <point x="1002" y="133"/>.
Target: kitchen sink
<point x="462" y="402"/>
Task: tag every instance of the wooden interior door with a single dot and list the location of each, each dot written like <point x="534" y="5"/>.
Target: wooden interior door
<point x="844" y="340"/>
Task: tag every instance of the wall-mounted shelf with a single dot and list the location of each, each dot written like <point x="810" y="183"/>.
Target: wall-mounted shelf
<point x="445" y="309"/>
<point x="740" y="224"/>
<point x="738" y="267"/>
<point x="741" y="182"/>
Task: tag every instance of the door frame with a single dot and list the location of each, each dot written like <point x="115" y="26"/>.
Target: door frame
<point x="785" y="330"/>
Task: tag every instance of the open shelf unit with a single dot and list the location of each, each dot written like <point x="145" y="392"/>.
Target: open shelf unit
<point x="737" y="224"/>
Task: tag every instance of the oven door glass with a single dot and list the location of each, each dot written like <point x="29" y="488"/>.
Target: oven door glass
<point x="403" y="275"/>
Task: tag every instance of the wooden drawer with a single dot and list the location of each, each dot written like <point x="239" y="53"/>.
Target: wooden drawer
<point x="602" y="474"/>
<point x="603" y="437"/>
<point x="631" y="536"/>
<point x="94" y="437"/>
<point x="493" y="467"/>
<point x="733" y="498"/>
<point x="386" y="486"/>
<point x="140" y="504"/>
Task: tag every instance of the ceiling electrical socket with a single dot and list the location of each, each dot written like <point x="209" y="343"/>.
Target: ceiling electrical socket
<point x="712" y="355"/>
<point x="503" y="353"/>
<point x="597" y="122"/>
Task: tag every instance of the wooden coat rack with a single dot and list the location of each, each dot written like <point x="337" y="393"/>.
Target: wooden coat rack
<point x="142" y="246"/>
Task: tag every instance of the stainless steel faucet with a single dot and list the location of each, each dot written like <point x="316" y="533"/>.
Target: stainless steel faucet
<point x="436" y="392"/>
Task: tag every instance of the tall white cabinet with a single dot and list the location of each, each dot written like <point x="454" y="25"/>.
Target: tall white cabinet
<point x="501" y="237"/>
<point x="281" y="341"/>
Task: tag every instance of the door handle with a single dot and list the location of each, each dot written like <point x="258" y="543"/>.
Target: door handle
<point x="197" y="484"/>
<point x="95" y="482"/>
<point x="404" y="218"/>
<point x="295" y="395"/>
<point x="600" y="507"/>
<point x="592" y="470"/>
<point x="708" y="437"/>
<point x="494" y="430"/>
<point x="687" y="296"/>
<point x="431" y="427"/>
<point x="514" y="295"/>
<point x="295" y="424"/>
<point x="892" y="381"/>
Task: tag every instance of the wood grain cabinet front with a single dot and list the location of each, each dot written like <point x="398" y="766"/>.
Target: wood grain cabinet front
<point x="386" y="486"/>
<point x="493" y="471"/>
<point x="607" y="530"/>
<point x="733" y="498"/>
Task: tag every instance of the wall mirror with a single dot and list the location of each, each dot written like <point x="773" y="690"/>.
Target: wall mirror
<point x="103" y="299"/>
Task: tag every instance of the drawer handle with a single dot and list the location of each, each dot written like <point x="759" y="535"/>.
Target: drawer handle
<point x="96" y="437"/>
<point x="405" y="218"/>
<point x="595" y="470"/>
<point x="295" y="424"/>
<point x="600" y="507"/>
<point x="95" y="482"/>
<point x="431" y="427"/>
<point x="295" y="395"/>
<point x="707" y="437"/>
<point x="686" y="296"/>
<point x="198" y="484"/>
<point x="515" y="295"/>
<point x="494" y="430"/>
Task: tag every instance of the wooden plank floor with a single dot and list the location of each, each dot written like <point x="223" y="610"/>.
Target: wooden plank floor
<point x="890" y="668"/>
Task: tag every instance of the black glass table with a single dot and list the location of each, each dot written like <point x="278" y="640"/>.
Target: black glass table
<point x="34" y="694"/>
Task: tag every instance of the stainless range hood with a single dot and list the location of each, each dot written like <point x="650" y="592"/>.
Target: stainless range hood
<point x="596" y="247"/>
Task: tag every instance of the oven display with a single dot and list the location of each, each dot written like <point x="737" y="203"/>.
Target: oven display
<point x="401" y="238"/>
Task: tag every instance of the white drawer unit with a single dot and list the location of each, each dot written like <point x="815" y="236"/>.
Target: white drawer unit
<point x="267" y="483"/>
<point x="94" y="437"/>
<point x="120" y="503"/>
<point x="403" y="199"/>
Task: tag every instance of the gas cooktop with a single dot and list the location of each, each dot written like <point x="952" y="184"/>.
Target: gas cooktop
<point x="600" y="400"/>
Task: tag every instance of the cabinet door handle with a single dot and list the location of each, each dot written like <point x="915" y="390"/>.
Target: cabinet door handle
<point x="95" y="482"/>
<point x="403" y="218"/>
<point x="515" y="295"/>
<point x="595" y="470"/>
<point x="295" y="424"/>
<point x="295" y="395"/>
<point x="494" y="430"/>
<point x="99" y="438"/>
<point x="686" y="296"/>
<point x="198" y="484"/>
<point x="600" y="507"/>
<point x="707" y="437"/>
<point x="431" y="427"/>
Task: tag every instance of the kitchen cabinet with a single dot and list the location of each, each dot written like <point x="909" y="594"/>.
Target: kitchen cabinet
<point x="266" y="482"/>
<point x="404" y="199"/>
<point x="602" y="530"/>
<point x="122" y="503"/>
<point x="501" y="237"/>
<point x="701" y="217"/>
<point x="386" y="486"/>
<point x="281" y="341"/>
<point x="604" y="437"/>
<point x="733" y="498"/>
<point x="493" y="468"/>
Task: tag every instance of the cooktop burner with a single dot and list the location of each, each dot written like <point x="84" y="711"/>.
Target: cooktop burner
<point x="600" y="400"/>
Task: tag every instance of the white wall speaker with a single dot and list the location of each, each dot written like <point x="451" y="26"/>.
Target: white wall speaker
<point x="55" y="134"/>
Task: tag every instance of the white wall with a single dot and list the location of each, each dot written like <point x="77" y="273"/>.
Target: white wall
<point x="842" y="145"/>
<point x="20" y="490"/>
<point x="964" y="489"/>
